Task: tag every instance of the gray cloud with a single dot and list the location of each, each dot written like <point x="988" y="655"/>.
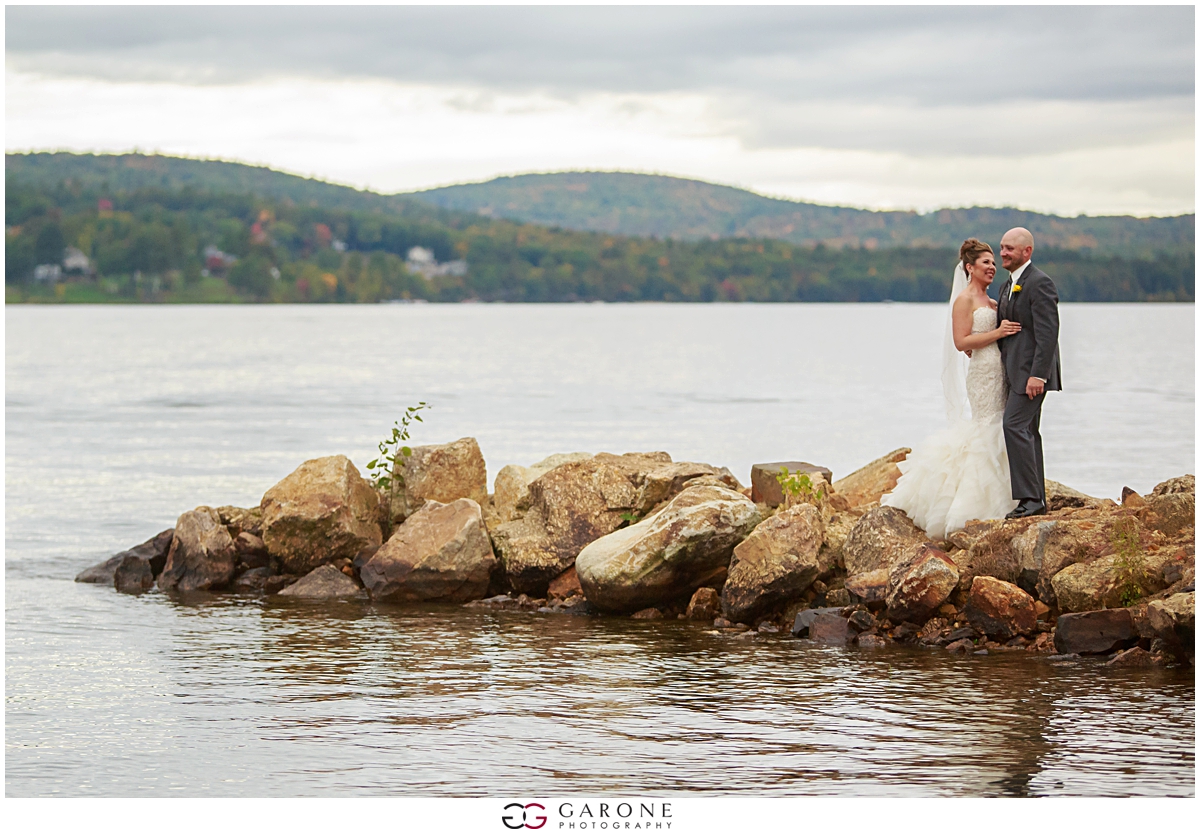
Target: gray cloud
<point x="889" y="78"/>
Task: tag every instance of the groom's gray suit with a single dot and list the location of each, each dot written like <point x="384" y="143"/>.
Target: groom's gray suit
<point x="1033" y="352"/>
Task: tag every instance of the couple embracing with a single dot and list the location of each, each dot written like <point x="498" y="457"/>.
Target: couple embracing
<point x="988" y="464"/>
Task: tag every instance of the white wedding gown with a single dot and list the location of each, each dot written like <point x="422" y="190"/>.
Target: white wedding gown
<point x="961" y="474"/>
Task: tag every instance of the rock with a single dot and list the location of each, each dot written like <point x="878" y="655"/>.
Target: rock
<point x="919" y="586"/>
<point x="1169" y="512"/>
<point x="830" y="629"/>
<point x="1173" y="621"/>
<point x="870" y="640"/>
<point x="864" y="487"/>
<point x="153" y="550"/>
<point x="133" y="575"/>
<point x="1042" y="611"/>
<point x="838" y="597"/>
<point x="648" y="613"/>
<point x="705" y="605"/>
<point x="881" y="538"/>
<point x="512" y="483"/>
<point x="326" y="582"/>
<point x="441" y="553"/>
<point x="837" y="529"/>
<point x="870" y="588"/>
<point x="322" y="511"/>
<point x="565" y="585"/>
<point x="274" y="584"/>
<point x="688" y="544"/>
<point x="240" y="520"/>
<point x="999" y="609"/>
<point x="766" y="489"/>
<point x="1133" y="658"/>
<point x="778" y="561"/>
<point x="906" y="632"/>
<point x="861" y="620"/>
<point x="959" y="634"/>
<point x="665" y="482"/>
<point x="1059" y="496"/>
<point x="254" y="580"/>
<point x="570" y="506"/>
<point x="1095" y="631"/>
<point x="251" y="551"/>
<point x="201" y="555"/>
<point x="1174" y="486"/>
<point x="442" y="472"/>
<point x="960" y="647"/>
<point x="1094" y="585"/>
<point x="804" y="619"/>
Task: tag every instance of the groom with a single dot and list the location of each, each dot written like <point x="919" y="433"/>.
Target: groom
<point x="1031" y="367"/>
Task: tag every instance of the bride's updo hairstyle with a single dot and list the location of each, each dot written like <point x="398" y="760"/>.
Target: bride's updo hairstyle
<point x="971" y="250"/>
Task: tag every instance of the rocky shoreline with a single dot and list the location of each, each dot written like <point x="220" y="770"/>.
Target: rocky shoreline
<point x="644" y="536"/>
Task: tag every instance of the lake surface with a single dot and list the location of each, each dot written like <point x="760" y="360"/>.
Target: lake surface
<point x="120" y="418"/>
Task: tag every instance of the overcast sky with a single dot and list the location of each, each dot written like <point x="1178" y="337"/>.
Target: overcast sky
<point x="1063" y="109"/>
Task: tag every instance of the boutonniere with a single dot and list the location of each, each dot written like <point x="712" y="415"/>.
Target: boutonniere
<point x="1016" y="289"/>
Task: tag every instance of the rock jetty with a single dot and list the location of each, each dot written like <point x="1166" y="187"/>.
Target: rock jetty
<point x="645" y="536"/>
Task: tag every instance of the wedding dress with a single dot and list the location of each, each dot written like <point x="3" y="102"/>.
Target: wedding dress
<point x="961" y="474"/>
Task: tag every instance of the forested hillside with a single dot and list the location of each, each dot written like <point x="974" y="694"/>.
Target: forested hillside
<point x="138" y="228"/>
<point x="642" y="205"/>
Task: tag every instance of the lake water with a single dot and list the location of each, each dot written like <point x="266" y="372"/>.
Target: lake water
<point x="120" y="418"/>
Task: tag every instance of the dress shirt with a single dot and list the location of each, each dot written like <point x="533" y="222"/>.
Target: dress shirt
<point x="1016" y="275"/>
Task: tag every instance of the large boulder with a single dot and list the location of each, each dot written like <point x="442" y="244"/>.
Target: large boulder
<point x="764" y="482"/>
<point x="152" y="550"/>
<point x="1094" y="585"/>
<point x="688" y="544"/>
<point x="1171" y="508"/>
<point x="440" y="554"/>
<point x="201" y="556"/>
<point x="920" y="585"/>
<point x="133" y="575"/>
<point x="577" y="502"/>
<point x="326" y="582"/>
<point x="442" y="472"/>
<point x="321" y="512"/>
<point x="778" y="561"/>
<point x="864" y="487"/>
<point x="1173" y="620"/>
<point x="512" y="483"/>
<point x="999" y="609"/>
<point x="1095" y="631"/>
<point x="881" y="538"/>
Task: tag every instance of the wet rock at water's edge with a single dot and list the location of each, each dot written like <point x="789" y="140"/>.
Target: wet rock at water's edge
<point x="322" y="511"/>
<point x="441" y="553"/>
<point x="1095" y="631"/>
<point x="153" y="550"/>
<point x="325" y="582"/>
<point x="201" y="556"/>
<point x="778" y="561"/>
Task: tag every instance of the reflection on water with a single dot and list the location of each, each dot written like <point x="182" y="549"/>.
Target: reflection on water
<point x="238" y="696"/>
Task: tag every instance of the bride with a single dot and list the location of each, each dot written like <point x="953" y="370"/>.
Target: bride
<point x="961" y="474"/>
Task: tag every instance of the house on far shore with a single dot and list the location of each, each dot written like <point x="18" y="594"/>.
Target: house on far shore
<point x="47" y="273"/>
<point x="422" y="261"/>
<point x="75" y="261"/>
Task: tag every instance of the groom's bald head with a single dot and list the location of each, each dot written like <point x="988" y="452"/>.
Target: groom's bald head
<point x="1016" y="247"/>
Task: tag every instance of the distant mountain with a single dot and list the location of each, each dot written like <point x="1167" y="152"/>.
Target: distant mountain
<point x="632" y="204"/>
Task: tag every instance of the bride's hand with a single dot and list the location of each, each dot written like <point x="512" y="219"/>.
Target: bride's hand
<point x="1009" y="327"/>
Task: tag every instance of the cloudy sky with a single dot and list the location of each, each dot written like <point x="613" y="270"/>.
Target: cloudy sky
<point x="1064" y="109"/>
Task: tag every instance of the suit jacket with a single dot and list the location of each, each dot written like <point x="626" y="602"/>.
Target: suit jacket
<point x="1034" y="351"/>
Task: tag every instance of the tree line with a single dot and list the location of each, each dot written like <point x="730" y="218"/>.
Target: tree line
<point x="157" y="244"/>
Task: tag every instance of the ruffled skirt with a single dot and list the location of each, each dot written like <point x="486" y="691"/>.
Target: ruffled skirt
<point x="958" y="475"/>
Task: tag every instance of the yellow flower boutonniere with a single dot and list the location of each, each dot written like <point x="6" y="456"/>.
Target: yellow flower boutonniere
<point x="1016" y="289"/>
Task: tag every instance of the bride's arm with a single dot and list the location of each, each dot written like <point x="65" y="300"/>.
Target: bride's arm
<point x="964" y="340"/>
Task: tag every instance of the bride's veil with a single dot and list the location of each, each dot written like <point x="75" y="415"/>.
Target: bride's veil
<point x="954" y="362"/>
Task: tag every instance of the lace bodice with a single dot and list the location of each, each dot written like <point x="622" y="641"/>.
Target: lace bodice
<point x="985" y="374"/>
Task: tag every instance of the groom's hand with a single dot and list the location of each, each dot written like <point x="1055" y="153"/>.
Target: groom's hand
<point x="1034" y="387"/>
